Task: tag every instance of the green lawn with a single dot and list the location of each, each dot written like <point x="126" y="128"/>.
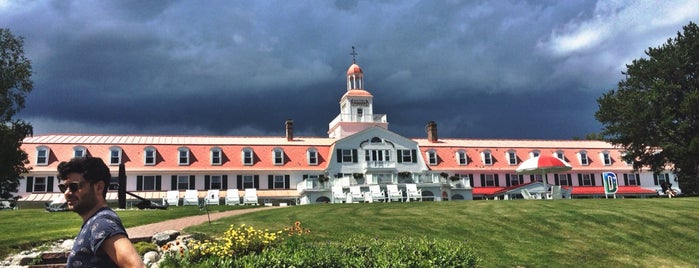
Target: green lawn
<point x="526" y="233"/>
<point x="25" y="228"/>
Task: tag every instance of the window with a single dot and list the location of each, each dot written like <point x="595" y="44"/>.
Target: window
<point x="461" y="157"/>
<point x="216" y="156"/>
<point x="182" y="182"/>
<point x="42" y="155"/>
<point x="115" y="155"/>
<point x="248" y="182"/>
<point x="147" y="183"/>
<point x="377" y="155"/>
<point x="535" y="153"/>
<point x="587" y="180"/>
<point x="247" y="156"/>
<point x="278" y="182"/>
<point x="432" y="157"/>
<point x="489" y="180"/>
<point x="629" y="162"/>
<point x="512" y="158"/>
<point x="562" y="180"/>
<point x="183" y="156"/>
<point x="407" y="156"/>
<point x="487" y="158"/>
<point x="312" y="155"/>
<point x="79" y="151"/>
<point x="560" y="155"/>
<point x="583" y="158"/>
<point x="514" y="179"/>
<point x="631" y="179"/>
<point x="114" y="183"/>
<point x="347" y="156"/>
<point x="149" y="156"/>
<point x="537" y="177"/>
<point x="606" y="159"/>
<point x="215" y="182"/>
<point x="278" y="155"/>
<point x="40" y="184"/>
<point x="660" y="179"/>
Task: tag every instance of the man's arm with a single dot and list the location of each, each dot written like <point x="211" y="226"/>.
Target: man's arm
<point x="121" y="251"/>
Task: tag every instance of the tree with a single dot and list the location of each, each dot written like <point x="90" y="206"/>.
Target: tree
<point x="654" y="112"/>
<point x="15" y="84"/>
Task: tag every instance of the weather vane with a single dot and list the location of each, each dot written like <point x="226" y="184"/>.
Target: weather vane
<point x="354" y="55"/>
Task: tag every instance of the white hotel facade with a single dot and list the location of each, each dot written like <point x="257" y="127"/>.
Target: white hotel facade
<point x="360" y="150"/>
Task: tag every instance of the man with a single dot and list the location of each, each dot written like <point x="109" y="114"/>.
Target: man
<point x="102" y="241"/>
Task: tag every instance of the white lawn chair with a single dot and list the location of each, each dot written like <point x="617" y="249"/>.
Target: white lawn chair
<point x="526" y="194"/>
<point x="339" y="195"/>
<point x="212" y="197"/>
<point x="376" y="193"/>
<point x="394" y="193"/>
<point x="191" y="198"/>
<point x="250" y="196"/>
<point x="232" y="197"/>
<point x="172" y="198"/>
<point x="556" y="192"/>
<point x="413" y="192"/>
<point x="355" y="194"/>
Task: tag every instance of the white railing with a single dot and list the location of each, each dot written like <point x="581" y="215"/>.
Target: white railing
<point x="375" y="118"/>
<point x="379" y="164"/>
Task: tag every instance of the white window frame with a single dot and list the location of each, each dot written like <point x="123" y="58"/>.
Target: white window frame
<point x="636" y="178"/>
<point x="183" y="180"/>
<point x="514" y="179"/>
<point x="247" y="156"/>
<point x="149" y="178"/>
<point x="183" y="156"/>
<point x="461" y="157"/>
<point x="40" y="181"/>
<point x="42" y="155"/>
<point x="278" y="156"/>
<point x="214" y="178"/>
<point x="560" y="155"/>
<point x="487" y="158"/>
<point x="512" y="157"/>
<point x="249" y="181"/>
<point x="534" y="153"/>
<point x="489" y="180"/>
<point x="564" y="177"/>
<point x="278" y="179"/>
<point x="586" y="179"/>
<point x="152" y="159"/>
<point x="606" y="158"/>
<point x="82" y="151"/>
<point x="583" y="158"/>
<point x="115" y="154"/>
<point x="431" y="157"/>
<point x="216" y="156"/>
<point x="312" y="156"/>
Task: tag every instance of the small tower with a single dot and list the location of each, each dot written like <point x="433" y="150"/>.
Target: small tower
<point x="356" y="106"/>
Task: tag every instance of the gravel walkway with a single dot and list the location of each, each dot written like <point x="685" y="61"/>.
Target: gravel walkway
<point x="148" y="230"/>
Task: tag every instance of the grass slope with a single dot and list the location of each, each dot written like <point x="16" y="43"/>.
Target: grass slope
<point x="539" y="233"/>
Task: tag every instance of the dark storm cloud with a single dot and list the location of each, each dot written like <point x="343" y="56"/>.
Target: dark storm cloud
<point x="499" y="69"/>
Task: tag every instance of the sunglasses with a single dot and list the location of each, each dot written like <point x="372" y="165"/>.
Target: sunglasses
<point x="73" y="186"/>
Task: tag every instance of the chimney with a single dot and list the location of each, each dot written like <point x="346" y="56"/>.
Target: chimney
<point x="431" y="131"/>
<point x="289" y="129"/>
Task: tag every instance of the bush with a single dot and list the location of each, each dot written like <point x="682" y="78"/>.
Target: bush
<point x="145" y="247"/>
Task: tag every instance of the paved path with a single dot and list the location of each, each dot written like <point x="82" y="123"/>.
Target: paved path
<point x="148" y="230"/>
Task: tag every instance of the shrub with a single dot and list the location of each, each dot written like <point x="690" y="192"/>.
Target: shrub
<point x="145" y="247"/>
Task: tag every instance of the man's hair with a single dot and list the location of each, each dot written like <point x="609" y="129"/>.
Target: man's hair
<point x="93" y="170"/>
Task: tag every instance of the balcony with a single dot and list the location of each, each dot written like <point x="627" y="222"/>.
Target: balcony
<point x="367" y="118"/>
<point x="377" y="165"/>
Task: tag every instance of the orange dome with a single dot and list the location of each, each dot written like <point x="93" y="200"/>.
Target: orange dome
<point x="354" y="69"/>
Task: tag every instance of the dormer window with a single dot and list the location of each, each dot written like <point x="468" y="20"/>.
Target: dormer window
<point x="312" y="155"/>
<point x="149" y="156"/>
<point x="560" y="155"/>
<point x="534" y="153"/>
<point x="583" y="158"/>
<point x="115" y="155"/>
<point x="432" y="157"/>
<point x="247" y="156"/>
<point x="487" y="158"/>
<point x="183" y="156"/>
<point x="42" y="155"/>
<point x="79" y="151"/>
<point x="606" y="158"/>
<point x="512" y="157"/>
<point x="461" y="157"/>
<point x="278" y="155"/>
<point x="216" y="156"/>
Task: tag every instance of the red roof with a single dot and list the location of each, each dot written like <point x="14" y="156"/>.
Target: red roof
<point x="486" y="190"/>
<point x="599" y="190"/>
<point x="354" y="69"/>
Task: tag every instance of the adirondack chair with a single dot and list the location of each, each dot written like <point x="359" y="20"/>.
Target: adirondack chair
<point x="413" y="192"/>
<point x="355" y="194"/>
<point x="376" y="193"/>
<point x="212" y="197"/>
<point x="556" y="192"/>
<point x="394" y="193"/>
<point x="172" y="198"/>
<point x="232" y="197"/>
<point x="526" y="194"/>
<point x="191" y="198"/>
<point x="339" y="195"/>
<point x="250" y="196"/>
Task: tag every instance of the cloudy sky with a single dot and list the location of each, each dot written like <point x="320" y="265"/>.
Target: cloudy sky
<point x="480" y="69"/>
